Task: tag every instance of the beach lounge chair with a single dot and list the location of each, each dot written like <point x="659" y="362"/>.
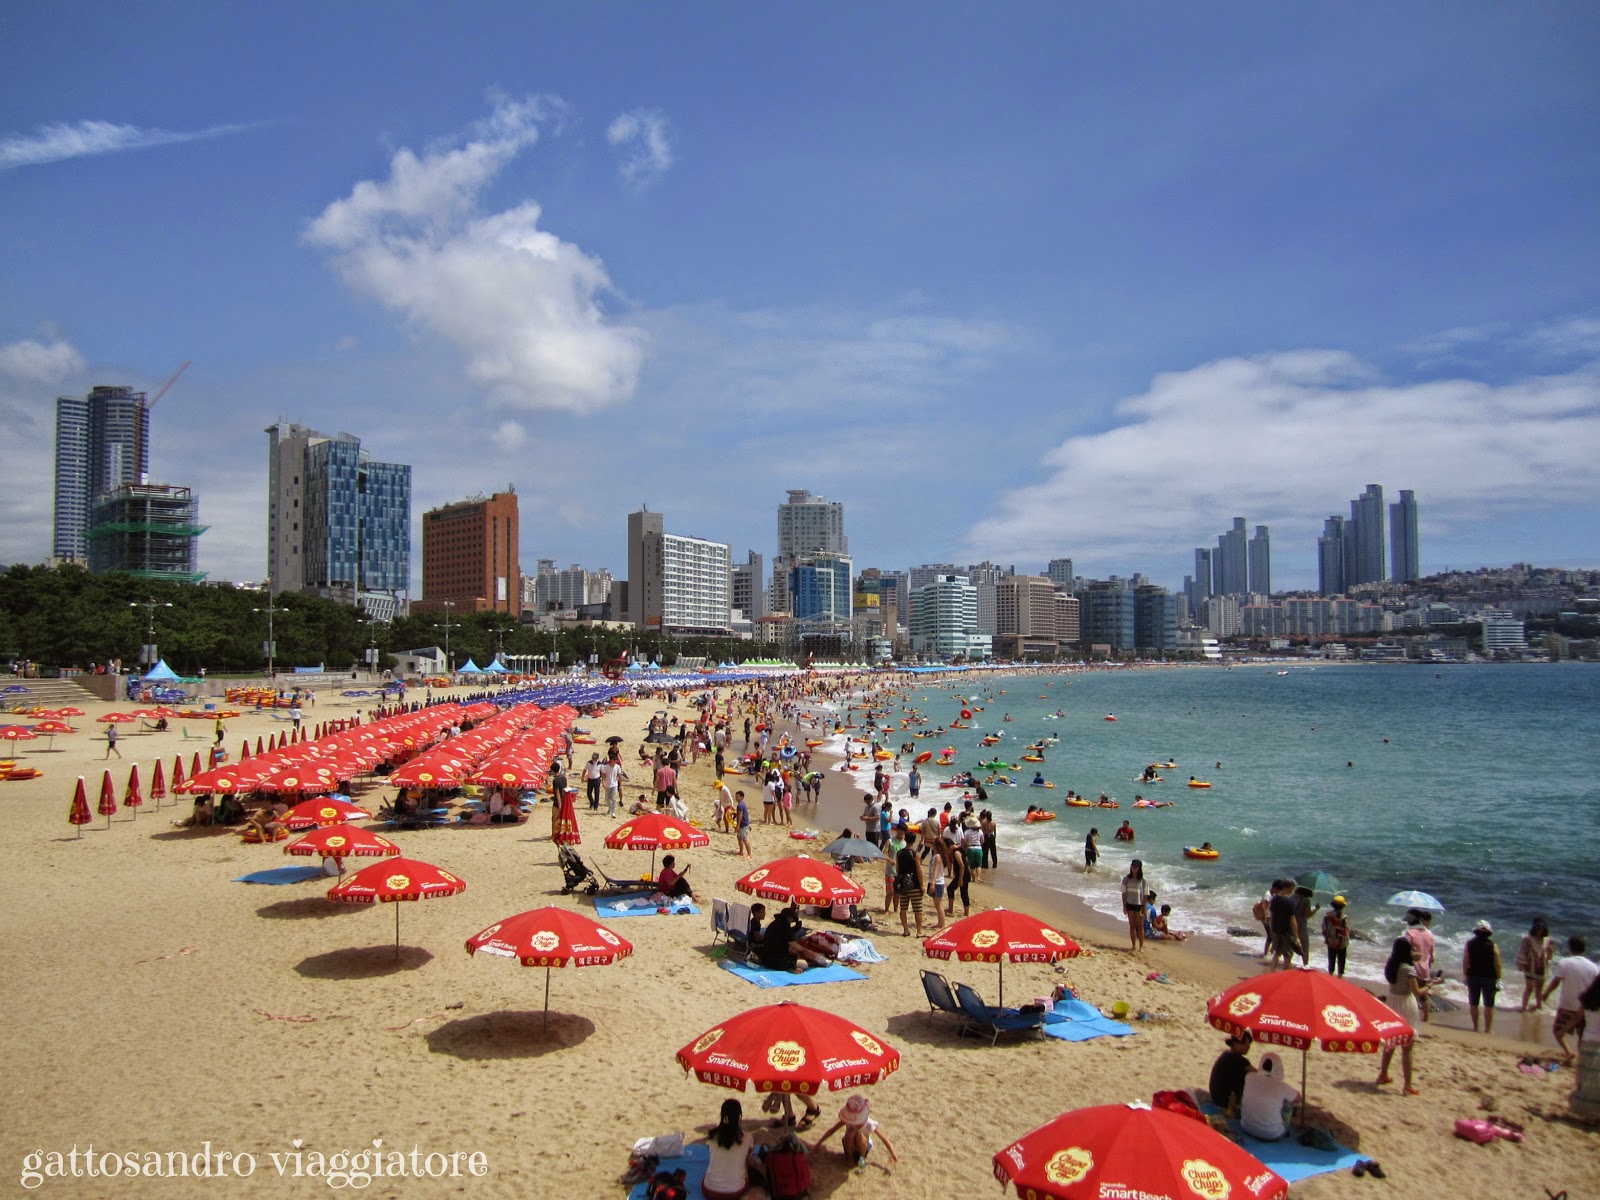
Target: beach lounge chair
<point x="941" y="999"/>
<point x="995" y="1020"/>
<point x="194" y="737"/>
<point x="619" y="886"/>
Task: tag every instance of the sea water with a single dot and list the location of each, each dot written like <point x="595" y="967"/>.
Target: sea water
<point x="1474" y="783"/>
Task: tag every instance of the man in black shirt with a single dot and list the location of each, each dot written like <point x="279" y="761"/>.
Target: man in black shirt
<point x="1228" y="1072"/>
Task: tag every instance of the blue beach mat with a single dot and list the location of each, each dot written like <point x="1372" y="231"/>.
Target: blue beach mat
<point x="1078" y="1021"/>
<point x="606" y="907"/>
<point x="1288" y="1157"/>
<point x="693" y="1162"/>
<point x="762" y="977"/>
<point x="283" y="875"/>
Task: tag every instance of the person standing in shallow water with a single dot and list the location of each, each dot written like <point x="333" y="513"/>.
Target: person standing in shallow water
<point x="1091" y="850"/>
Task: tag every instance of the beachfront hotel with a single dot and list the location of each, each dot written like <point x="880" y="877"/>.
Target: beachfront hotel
<point x="470" y="558"/>
<point x="676" y="585"/>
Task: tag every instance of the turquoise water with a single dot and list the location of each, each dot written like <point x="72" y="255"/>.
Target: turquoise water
<point x="1484" y="795"/>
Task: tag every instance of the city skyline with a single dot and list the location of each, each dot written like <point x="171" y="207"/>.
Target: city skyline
<point x="1017" y="286"/>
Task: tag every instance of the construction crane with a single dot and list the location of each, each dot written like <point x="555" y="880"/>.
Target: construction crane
<point x="167" y="386"/>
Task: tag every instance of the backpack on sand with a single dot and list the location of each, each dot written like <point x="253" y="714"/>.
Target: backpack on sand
<point x="788" y="1170"/>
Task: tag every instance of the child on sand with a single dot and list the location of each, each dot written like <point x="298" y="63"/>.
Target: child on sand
<point x="859" y="1128"/>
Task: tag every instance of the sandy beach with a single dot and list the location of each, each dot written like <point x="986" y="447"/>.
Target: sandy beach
<point x="158" y="1006"/>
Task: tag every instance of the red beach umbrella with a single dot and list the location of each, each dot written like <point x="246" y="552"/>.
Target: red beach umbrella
<point x="551" y="937"/>
<point x="802" y="880"/>
<point x="258" y="743"/>
<point x="108" y="799"/>
<point x="130" y="795"/>
<point x="52" y="727"/>
<point x="177" y="772"/>
<point x="343" y="841"/>
<point x="564" y="821"/>
<point x="1301" y="1007"/>
<point x="158" y="785"/>
<point x="656" y="831"/>
<point x="194" y="765"/>
<point x="17" y="733"/>
<point x="788" y="1047"/>
<point x="244" y="750"/>
<point x="116" y="718"/>
<point x="323" y="810"/>
<point x="998" y="935"/>
<point x="69" y="711"/>
<point x="394" y="880"/>
<point x="1132" y="1150"/>
<point x="80" y="815"/>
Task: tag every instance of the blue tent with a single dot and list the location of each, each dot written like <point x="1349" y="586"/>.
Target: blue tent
<point x="161" y="673"/>
<point x="496" y="668"/>
<point x="471" y="668"/>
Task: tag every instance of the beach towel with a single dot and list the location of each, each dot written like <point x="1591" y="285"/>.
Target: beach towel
<point x="1288" y="1157"/>
<point x="693" y="1162"/>
<point x="762" y="977"/>
<point x="637" y="906"/>
<point x="282" y="875"/>
<point x="862" y="951"/>
<point x="1078" y="1021"/>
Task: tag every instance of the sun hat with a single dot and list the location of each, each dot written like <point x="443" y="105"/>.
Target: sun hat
<point x="1339" y="901"/>
<point x="1483" y="927"/>
<point x="855" y="1111"/>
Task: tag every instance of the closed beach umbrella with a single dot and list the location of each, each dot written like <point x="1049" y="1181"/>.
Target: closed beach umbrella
<point x="79" y="814"/>
<point x="158" y="785"/>
<point x="131" y="797"/>
<point x="1322" y="884"/>
<point x="564" y="821"/>
<point x="1419" y="900"/>
<point x="801" y="880"/>
<point x="788" y="1048"/>
<point x="108" y="799"/>
<point x="551" y="937"/>
<point x="323" y="810"/>
<point x="1132" y="1150"/>
<point x="998" y="935"/>
<point x="1300" y="1008"/>
<point x="177" y="773"/>
<point x="394" y="880"/>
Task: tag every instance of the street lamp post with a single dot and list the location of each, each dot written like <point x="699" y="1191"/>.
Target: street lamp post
<point x="449" y="667"/>
<point x="147" y="653"/>
<point x="272" y="645"/>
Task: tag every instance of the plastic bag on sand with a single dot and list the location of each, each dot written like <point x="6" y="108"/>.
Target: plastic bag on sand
<point x="667" y="1145"/>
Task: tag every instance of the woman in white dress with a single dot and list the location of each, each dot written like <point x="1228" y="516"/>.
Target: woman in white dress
<point x="1405" y="990"/>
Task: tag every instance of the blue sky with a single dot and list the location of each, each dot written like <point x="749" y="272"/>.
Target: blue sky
<point x="1012" y="281"/>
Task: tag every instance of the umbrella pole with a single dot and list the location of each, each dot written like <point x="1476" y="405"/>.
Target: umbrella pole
<point x="547" y="999"/>
<point x="1304" y="1054"/>
<point x="397" y="931"/>
<point x="1002" y="1000"/>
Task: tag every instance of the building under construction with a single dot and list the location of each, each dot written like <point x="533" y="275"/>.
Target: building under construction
<point x="150" y="530"/>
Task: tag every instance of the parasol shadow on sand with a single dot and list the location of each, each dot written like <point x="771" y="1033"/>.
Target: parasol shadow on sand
<point x="509" y="1034"/>
<point x="304" y="908"/>
<point x="363" y="962"/>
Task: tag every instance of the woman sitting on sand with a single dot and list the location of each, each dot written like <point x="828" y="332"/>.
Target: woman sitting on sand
<point x="734" y="1168"/>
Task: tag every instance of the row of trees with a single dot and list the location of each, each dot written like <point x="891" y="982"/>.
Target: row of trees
<point x="66" y="617"/>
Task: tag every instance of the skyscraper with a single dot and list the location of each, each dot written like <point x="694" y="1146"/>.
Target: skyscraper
<point x="1060" y="573"/>
<point x="102" y="443"/>
<point x="1404" y="554"/>
<point x="1232" y="569"/>
<point x="1330" y="557"/>
<point x="1364" y="538"/>
<point x="1261" y="562"/>
<point x="1106" y="616"/>
<point x="1204" y="573"/>
<point x="750" y="587"/>
<point x="470" y="555"/>
<point x="338" y="522"/>
<point x="810" y="524"/>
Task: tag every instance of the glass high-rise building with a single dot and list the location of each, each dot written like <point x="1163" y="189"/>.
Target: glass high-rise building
<point x="338" y="521"/>
<point x="1364" y="539"/>
<point x="1261" y="562"/>
<point x="1232" y="562"/>
<point x="1330" y="557"/>
<point x="1405" y="560"/>
<point x="102" y="444"/>
<point x="1106" y="616"/>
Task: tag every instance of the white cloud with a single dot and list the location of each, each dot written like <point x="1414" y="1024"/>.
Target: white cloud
<point x="38" y="362"/>
<point x="510" y="435"/>
<point x="60" y="141"/>
<point x="1284" y="440"/>
<point x="520" y="304"/>
<point x="643" y="138"/>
